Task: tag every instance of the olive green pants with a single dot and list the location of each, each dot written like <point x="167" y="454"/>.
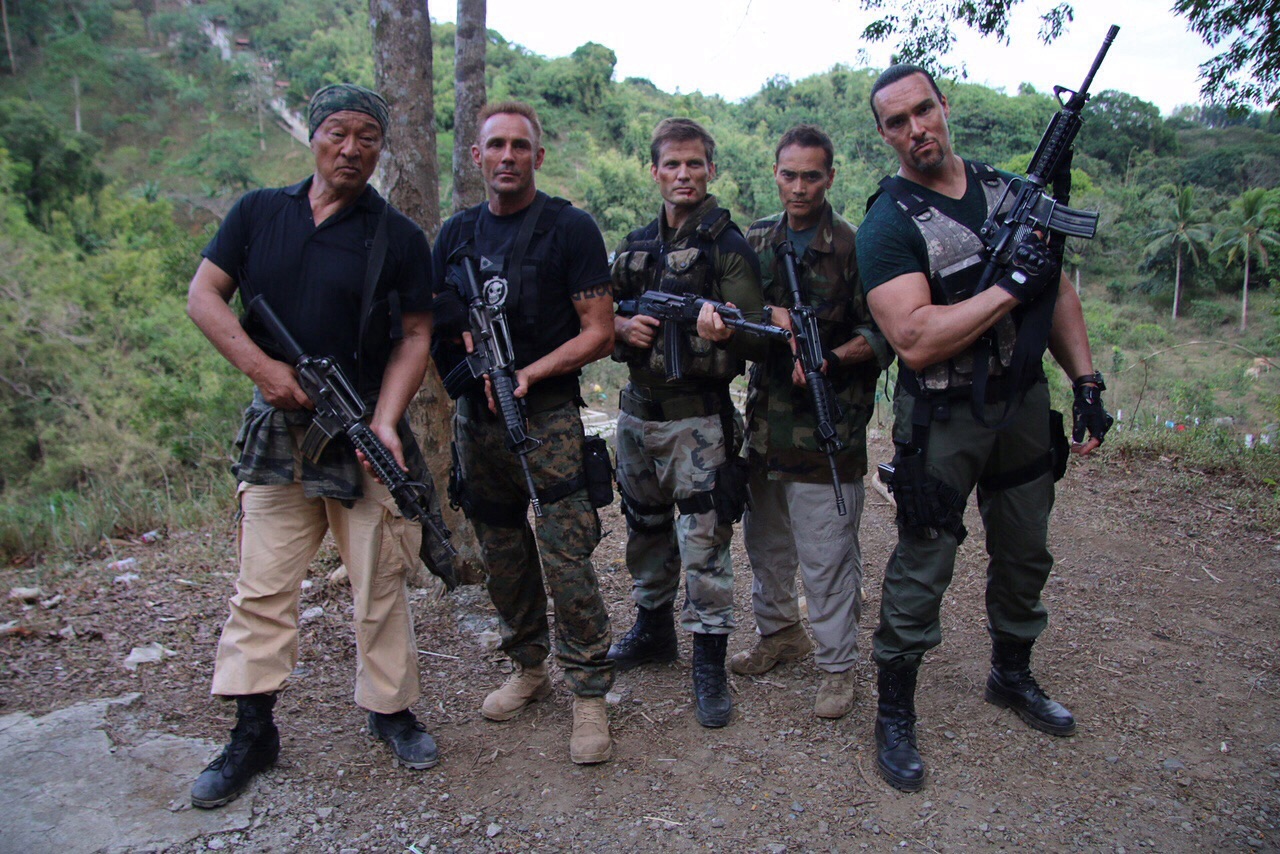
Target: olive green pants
<point x="960" y="452"/>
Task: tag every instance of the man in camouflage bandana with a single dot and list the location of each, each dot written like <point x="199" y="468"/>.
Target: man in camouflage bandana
<point x="312" y="251"/>
<point x="793" y="521"/>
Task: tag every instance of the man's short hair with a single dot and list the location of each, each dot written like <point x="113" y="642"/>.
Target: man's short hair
<point x="892" y="75"/>
<point x="514" y="108"/>
<point x="807" y="136"/>
<point x="681" y="130"/>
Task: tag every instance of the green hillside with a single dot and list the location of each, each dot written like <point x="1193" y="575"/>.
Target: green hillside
<point x="125" y="135"/>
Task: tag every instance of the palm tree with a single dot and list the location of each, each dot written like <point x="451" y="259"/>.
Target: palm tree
<point x="1185" y="232"/>
<point x="1244" y="234"/>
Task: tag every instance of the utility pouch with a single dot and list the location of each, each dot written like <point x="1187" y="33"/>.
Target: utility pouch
<point x="598" y="470"/>
<point x="457" y="489"/>
<point x="729" y="496"/>
<point x="926" y="505"/>
<point x="1059" y="448"/>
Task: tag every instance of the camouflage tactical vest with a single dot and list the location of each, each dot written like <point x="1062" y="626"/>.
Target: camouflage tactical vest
<point x="684" y="266"/>
<point x="955" y="264"/>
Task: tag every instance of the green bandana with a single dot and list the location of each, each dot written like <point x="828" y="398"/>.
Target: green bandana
<point x="346" y="96"/>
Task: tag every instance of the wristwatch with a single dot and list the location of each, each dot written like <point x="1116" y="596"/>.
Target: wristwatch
<point x="1094" y="378"/>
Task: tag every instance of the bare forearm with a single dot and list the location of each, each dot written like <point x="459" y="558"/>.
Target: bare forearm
<point x="928" y="333"/>
<point x="207" y="306"/>
<point x="1069" y="337"/>
<point x="403" y="375"/>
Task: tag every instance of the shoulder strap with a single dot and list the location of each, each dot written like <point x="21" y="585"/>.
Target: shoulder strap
<point x="897" y="190"/>
<point x="373" y="272"/>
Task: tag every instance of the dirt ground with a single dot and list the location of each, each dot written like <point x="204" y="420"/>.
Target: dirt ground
<point x="1162" y="640"/>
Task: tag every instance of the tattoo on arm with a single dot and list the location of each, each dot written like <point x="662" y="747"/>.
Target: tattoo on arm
<point x="605" y="290"/>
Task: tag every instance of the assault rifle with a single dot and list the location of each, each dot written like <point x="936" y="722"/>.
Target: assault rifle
<point x="809" y="353"/>
<point x="1033" y="209"/>
<point x="679" y="311"/>
<point x="494" y="355"/>
<point x="340" y="410"/>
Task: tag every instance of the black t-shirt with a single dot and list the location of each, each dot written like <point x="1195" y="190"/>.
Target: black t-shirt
<point x="571" y="258"/>
<point x="313" y="276"/>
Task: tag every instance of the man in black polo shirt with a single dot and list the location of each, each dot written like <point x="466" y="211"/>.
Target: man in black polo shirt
<point x="545" y="262"/>
<point x="311" y="250"/>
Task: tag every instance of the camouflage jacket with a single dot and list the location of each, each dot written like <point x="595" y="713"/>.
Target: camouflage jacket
<point x="269" y="441"/>
<point x="781" y="424"/>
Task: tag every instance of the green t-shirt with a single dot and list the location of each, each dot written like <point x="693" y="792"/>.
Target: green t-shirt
<point x="890" y="244"/>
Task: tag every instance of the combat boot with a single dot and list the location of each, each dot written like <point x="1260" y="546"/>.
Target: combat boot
<point x="789" y="644"/>
<point x="835" y="695"/>
<point x="254" y="747"/>
<point x="410" y="743"/>
<point x="897" y="759"/>
<point x="1012" y="686"/>
<point x="590" y="742"/>
<point x="712" y="703"/>
<point x="526" y="685"/>
<point x="652" y="640"/>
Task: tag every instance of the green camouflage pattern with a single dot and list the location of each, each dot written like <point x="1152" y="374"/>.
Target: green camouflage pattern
<point x="658" y="463"/>
<point x="782" y="426"/>
<point x="516" y="559"/>
<point x="338" y="97"/>
<point x="687" y="267"/>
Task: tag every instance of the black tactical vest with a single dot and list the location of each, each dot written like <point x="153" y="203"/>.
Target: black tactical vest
<point x="646" y="263"/>
<point x="956" y="261"/>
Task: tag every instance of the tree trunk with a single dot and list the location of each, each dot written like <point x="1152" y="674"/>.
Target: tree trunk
<point x="402" y="68"/>
<point x="75" y="91"/>
<point x="1244" y="293"/>
<point x="1177" y="280"/>
<point x="469" y="96"/>
<point x="8" y="40"/>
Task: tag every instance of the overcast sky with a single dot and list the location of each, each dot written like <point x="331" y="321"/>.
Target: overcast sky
<point x="731" y="47"/>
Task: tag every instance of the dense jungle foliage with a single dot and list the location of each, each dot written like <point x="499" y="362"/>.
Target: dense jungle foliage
<point x="127" y="128"/>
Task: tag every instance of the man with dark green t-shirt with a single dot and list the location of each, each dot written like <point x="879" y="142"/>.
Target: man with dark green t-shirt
<point x="921" y="258"/>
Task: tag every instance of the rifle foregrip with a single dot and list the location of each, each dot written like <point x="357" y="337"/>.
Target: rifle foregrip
<point x="387" y="469"/>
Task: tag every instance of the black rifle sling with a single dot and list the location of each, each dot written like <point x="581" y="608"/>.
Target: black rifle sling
<point x="515" y="273"/>
<point x="373" y="272"/>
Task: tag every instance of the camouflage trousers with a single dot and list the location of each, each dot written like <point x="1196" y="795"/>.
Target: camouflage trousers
<point x="516" y="559"/>
<point x="660" y="462"/>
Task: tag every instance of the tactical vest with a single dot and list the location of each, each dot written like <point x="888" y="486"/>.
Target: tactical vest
<point x="956" y="262"/>
<point x="527" y="314"/>
<point x="684" y="267"/>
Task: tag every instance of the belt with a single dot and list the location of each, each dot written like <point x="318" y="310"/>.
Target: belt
<point x="633" y="401"/>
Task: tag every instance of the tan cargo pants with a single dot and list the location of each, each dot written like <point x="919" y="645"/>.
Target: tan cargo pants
<point x="280" y="532"/>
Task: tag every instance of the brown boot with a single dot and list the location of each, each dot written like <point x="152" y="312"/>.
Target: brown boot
<point x="590" y="742"/>
<point x="525" y="686"/>
<point x="835" y="695"/>
<point x="790" y="644"/>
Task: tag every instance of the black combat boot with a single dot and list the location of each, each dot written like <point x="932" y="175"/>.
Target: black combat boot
<point x="652" y="640"/>
<point x="712" y="704"/>
<point x="411" y="744"/>
<point x="1012" y="686"/>
<point x="897" y="759"/>
<point x="255" y="744"/>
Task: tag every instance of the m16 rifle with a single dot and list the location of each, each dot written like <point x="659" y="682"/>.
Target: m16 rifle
<point x="340" y="411"/>
<point x="809" y="353"/>
<point x="493" y="355"/>
<point x="1032" y="208"/>
<point x="680" y="311"/>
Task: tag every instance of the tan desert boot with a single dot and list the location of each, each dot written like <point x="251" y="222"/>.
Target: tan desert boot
<point x="835" y="695"/>
<point x="790" y="644"/>
<point x="525" y="686"/>
<point x="590" y="742"/>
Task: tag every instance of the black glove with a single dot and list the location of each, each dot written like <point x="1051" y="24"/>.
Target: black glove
<point x="1087" y="410"/>
<point x="1033" y="267"/>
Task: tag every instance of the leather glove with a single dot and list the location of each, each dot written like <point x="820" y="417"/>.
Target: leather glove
<point x="1033" y="267"/>
<point x="1087" y="410"/>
